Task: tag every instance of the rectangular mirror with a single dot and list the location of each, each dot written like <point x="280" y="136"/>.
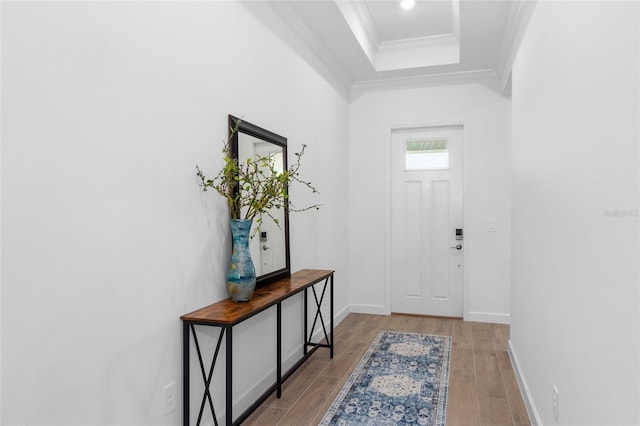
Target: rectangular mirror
<point x="270" y="244"/>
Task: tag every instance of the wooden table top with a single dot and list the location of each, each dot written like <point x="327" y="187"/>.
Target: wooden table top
<point x="227" y="312"/>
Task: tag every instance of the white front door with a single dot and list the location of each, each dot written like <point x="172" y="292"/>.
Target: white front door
<point x="427" y="209"/>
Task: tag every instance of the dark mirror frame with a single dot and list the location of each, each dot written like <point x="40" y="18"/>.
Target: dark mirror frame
<point x="270" y="137"/>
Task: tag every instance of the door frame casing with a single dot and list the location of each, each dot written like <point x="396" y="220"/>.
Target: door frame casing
<point x="465" y="207"/>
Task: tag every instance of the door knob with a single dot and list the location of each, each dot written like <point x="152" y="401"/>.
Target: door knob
<point x="264" y="247"/>
<point x="457" y="247"/>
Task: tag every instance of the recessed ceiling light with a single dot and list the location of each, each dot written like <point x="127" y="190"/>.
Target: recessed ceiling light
<point x="407" y="4"/>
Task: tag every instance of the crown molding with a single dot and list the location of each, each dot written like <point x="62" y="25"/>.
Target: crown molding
<point x="410" y="43"/>
<point x="519" y="16"/>
<point x="455" y="18"/>
<point x="418" y="52"/>
<point x="487" y="77"/>
<point x="324" y="60"/>
<point x="364" y="30"/>
<point x="401" y="54"/>
<point x="291" y="18"/>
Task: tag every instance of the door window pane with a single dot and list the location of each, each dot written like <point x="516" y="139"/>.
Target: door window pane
<point x="427" y="154"/>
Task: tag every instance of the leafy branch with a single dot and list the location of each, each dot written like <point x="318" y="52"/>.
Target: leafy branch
<point x="254" y="188"/>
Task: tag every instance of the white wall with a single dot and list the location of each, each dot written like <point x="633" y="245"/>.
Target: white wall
<point x="107" y="238"/>
<point x="486" y="116"/>
<point x="575" y="212"/>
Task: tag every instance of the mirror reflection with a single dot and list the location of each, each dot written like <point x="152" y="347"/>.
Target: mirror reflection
<point x="270" y="243"/>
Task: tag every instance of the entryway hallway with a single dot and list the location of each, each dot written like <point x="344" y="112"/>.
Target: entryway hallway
<point x="482" y="387"/>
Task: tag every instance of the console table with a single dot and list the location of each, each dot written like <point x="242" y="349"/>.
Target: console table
<point x="226" y="314"/>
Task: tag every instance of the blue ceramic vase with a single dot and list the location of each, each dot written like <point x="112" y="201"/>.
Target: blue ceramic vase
<point x="241" y="278"/>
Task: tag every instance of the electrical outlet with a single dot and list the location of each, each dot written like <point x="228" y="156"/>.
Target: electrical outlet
<point x="554" y="401"/>
<point x="170" y="398"/>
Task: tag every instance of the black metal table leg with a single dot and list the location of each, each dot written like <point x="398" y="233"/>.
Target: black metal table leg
<point x="331" y="313"/>
<point x="328" y="283"/>
<point x="305" y="323"/>
<point x="319" y="312"/>
<point x="185" y="373"/>
<point x="229" y="378"/>
<point x="206" y="377"/>
<point x="279" y="351"/>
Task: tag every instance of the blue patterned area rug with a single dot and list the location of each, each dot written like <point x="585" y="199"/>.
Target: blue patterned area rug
<point x="401" y="380"/>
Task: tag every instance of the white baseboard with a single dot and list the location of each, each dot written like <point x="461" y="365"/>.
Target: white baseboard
<point x="534" y="417"/>
<point x="493" y="317"/>
<point x="368" y="309"/>
<point x="341" y="315"/>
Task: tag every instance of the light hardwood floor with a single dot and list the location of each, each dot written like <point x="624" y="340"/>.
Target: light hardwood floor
<point x="482" y="386"/>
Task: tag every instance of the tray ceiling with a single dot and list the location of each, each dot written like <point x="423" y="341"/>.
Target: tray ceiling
<point x="376" y="40"/>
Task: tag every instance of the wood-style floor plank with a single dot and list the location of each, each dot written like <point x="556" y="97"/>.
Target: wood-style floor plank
<point x="310" y="402"/>
<point x="482" y="337"/>
<point x="444" y="327"/>
<point x="500" y="334"/>
<point x="462" y="398"/>
<point x="265" y="415"/>
<point x="462" y="335"/>
<point x="344" y="360"/>
<point x="503" y="360"/>
<point x="518" y="410"/>
<point x="495" y="412"/>
<point x="488" y="375"/>
<point x="482" y="387"/>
